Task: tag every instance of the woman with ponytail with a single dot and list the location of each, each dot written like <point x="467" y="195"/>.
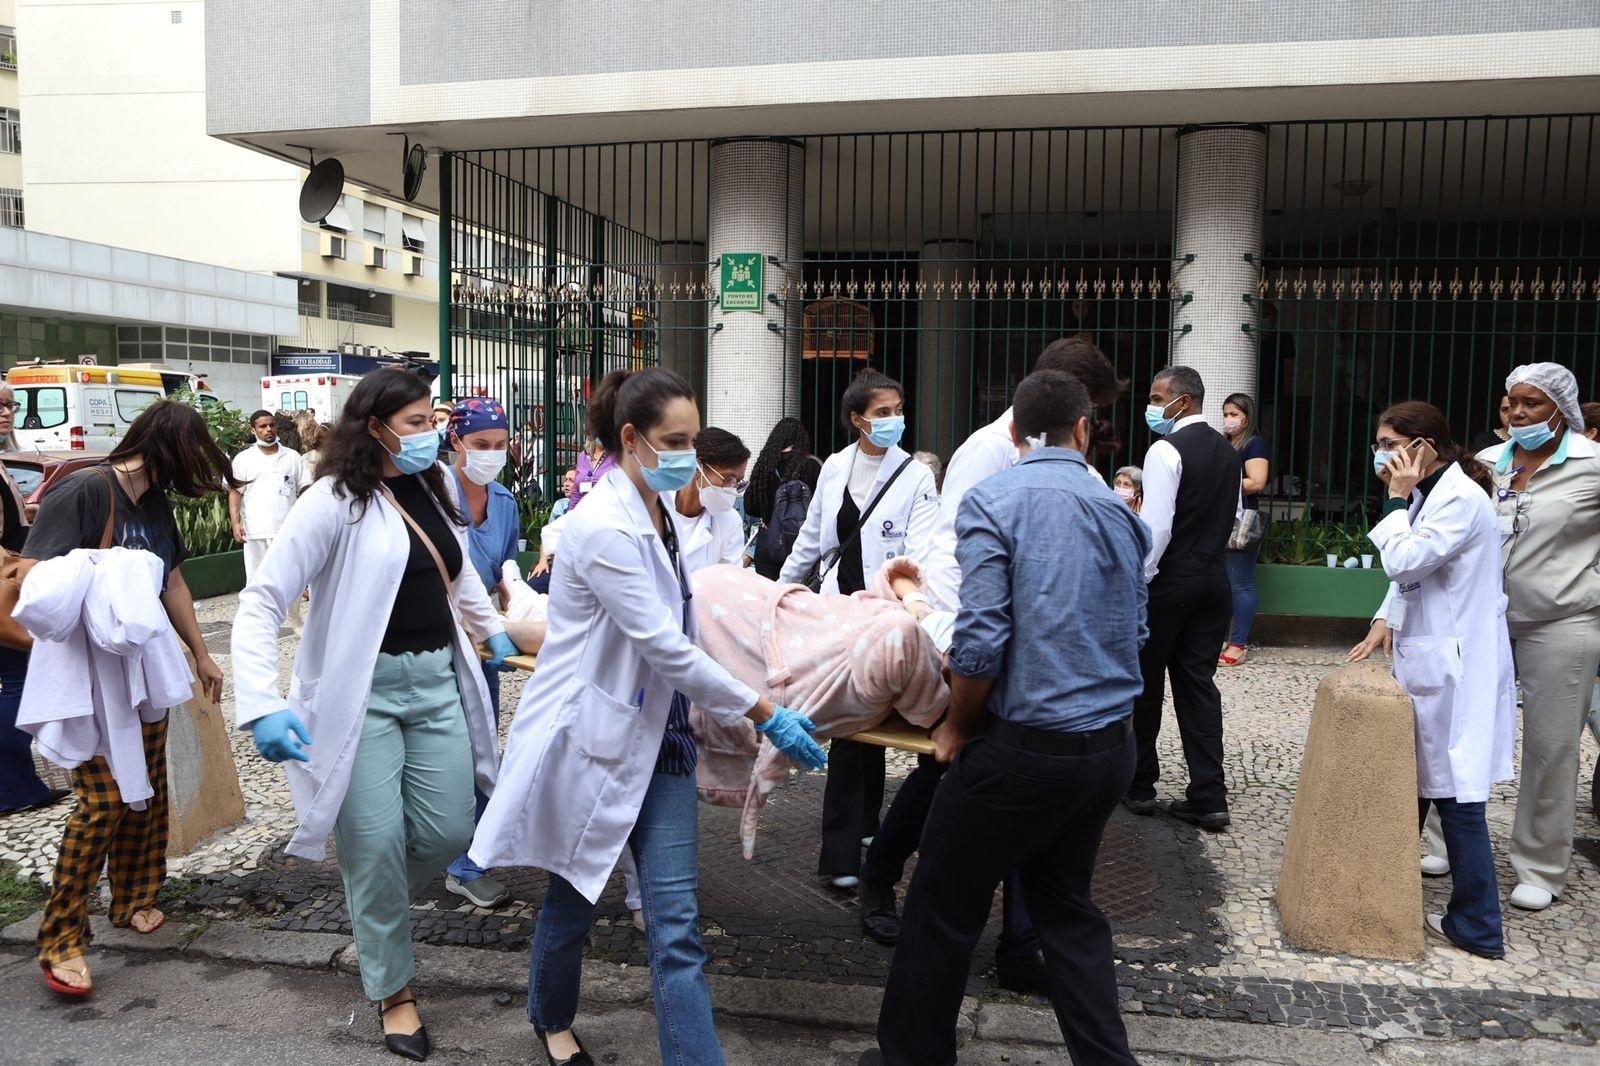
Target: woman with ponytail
<point x="1443" y="623"/>
<point x="601" y="756"/>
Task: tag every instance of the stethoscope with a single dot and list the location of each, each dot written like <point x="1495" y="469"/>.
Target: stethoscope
<point x="669" y="541"/>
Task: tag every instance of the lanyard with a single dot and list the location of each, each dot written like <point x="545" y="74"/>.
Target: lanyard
<point x="669" y="540"/>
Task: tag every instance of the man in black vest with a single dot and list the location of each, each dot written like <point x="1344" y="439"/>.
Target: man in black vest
<point x="1191" y="495"/>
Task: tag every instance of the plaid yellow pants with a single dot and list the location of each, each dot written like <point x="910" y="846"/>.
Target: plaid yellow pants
<point x="102" y="828"/>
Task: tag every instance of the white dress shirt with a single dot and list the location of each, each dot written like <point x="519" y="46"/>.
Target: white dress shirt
<point x="1163" y="467"/>
<point x="988" y="451"/>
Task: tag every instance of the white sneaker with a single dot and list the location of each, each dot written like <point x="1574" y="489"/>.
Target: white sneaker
<point x="638" y="920"/>
<point x="1435" y="866"/>
<point x="1531" y="898"/>
<point x="845" y="882"/>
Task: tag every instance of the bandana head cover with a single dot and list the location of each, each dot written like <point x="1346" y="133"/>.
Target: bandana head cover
<point x="477" y="413"/>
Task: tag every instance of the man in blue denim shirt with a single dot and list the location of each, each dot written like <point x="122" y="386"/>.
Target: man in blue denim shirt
<point x="1039" y="728"/>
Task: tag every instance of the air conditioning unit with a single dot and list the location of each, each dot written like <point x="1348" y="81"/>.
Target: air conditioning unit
<point x="331" y="245"/>
<point x="413" y="266"/>
<point x="377" y="258"/>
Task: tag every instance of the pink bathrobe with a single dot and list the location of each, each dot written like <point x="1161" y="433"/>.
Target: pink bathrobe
<point x="845" y="662"/>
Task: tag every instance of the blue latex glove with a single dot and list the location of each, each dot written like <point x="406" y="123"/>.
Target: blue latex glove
<point x="499" y="647"/>
<point x="791" y="733"/>
<point x="275" y="736"/>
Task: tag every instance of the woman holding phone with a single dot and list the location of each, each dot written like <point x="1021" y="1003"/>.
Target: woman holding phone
<point x="1443" y="623"/>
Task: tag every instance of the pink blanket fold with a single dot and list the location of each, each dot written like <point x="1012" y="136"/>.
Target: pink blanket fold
<point x="845" y="662"/>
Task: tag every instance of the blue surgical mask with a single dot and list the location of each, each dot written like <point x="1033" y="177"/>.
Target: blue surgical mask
<point x="1380" y="460"/>
<point x="673" y="470"/>
<point x="886" y="432"/>
<point x="1155" y="416"/>
<point x="1532" y="437"/>
<point x="418" y="451"/>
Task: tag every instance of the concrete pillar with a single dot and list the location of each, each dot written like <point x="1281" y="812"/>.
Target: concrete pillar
<point x="941" y="407"/>
<point x="682" y="328"/>
<point x="757" y="205"/>
<point x="1219" y="205"/>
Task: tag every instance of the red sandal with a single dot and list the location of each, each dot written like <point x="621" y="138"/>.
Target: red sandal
<point x="1232" y="660"/>
<point x="60" y="987"/>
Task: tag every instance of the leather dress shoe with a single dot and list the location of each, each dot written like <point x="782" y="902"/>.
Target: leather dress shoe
<point x="1143" y="808"/>
<point x="878" y="918"/>
<point x="1027" y="974"/>
<point x="1211" y="821"/>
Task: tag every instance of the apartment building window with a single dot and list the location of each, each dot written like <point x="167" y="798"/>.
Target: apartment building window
<point x="8" y="48"/>
<point x="179" y="347"/>
<point x="412" y="235"/>
<point x="310" y="298"/>
<point x="373" y="222"/>
<point x="11" y="208"/>
<point x="10" y="130"/>
<point x="363" y="306"/>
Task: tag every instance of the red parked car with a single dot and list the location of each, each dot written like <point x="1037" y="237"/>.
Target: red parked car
<point x="37" y="472"/>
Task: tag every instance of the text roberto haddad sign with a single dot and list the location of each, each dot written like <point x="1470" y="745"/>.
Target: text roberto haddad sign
<point x="741" y="281"/>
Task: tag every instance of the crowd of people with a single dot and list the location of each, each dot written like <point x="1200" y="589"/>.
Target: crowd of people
<point x="938" y="592"/>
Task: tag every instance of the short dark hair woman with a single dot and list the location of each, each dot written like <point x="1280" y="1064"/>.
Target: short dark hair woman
<point x="386" y="679"/>
<point x="166" y="450"/>
<point x="601" y="757"/>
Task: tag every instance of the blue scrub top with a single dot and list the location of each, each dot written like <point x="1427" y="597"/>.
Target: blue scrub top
<point x="493" y="542"/>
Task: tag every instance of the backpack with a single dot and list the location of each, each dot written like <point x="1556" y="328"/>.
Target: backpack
<point x="782" y="527"/>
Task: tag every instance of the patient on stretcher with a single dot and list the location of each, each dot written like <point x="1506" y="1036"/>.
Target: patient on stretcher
<point x="846" y="662"/>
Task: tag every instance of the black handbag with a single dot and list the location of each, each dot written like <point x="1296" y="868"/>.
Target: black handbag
<point x="1249" y="529"/>
<point x="830" y="559"/>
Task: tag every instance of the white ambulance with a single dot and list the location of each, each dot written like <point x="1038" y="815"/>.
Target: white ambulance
<point x="323" y="393"/>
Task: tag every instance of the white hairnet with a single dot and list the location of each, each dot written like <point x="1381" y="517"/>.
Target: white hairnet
<point x="1556" y="382"/>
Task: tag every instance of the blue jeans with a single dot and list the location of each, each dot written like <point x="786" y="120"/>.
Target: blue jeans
<point x="464" y="869"/>
<point x="1242" y="580"/>
<point x="20" y="786"/>
<point x="1472" y="920"/>
<point x="665" y="845"/>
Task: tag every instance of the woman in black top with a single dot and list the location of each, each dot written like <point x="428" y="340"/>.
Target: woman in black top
<point x="166" y="450"/>
<point x="786" y="457"/>
<point x="20" y="787"/>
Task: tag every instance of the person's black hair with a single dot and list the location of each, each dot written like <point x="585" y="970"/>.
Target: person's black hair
<point x="1079" y="357"/>
<point x="1050" y="403"/>
<point x="632" y="396"/>
<point x="1414" y="419"/>
<point x="171" y="441"/>
<point x="353" y="457"/>
<point x="718" y="447"/>
<point x="1185" y="382"/>
<point x="789" y="440"/>
<point x="858" y="395"/>
<point x="260" y="414"/>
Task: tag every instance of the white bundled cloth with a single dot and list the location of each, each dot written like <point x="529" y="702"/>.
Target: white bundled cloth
<point x="105" y="661"/>
<point x="522" y="603"/>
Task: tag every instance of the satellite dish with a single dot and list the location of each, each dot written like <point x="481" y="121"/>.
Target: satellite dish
<point x="323" y="187"/>
<point x="416" y="164"/>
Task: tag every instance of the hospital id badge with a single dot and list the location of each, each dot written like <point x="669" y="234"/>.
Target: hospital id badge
<point x="1507" y="524"/>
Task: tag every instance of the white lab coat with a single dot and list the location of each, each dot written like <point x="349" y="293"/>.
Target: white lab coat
<point x="1451" y="651"/>
<point x="583" y="745"/>
<point x="709" y="539"/>
<point x="105" y="661"/>
<point x="900" y="526"/>
<point x="988" y="451"/>
<point x="353" y="566"/>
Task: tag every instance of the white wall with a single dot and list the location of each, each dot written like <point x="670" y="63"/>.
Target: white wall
<point x="113" y="99"/>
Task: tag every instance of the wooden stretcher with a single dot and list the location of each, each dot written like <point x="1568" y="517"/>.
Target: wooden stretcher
<point x="893" y="732"/>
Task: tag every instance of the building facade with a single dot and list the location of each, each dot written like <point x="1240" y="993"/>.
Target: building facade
<point x="1322" y="214"/>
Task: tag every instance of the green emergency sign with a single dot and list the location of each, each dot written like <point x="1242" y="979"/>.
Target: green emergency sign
<point x="741" y="281"/>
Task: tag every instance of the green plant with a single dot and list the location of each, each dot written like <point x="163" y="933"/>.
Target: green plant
<point x="18" y="897"/>
<point x="535" y="512"/>
<point x="204" y="523"/>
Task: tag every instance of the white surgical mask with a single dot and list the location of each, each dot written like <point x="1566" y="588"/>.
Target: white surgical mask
<point x="484" y="466"/>
<point x="718" y="500"/>
<point x="273" y="443"/>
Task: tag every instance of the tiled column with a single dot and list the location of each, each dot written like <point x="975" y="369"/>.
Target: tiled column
<point x="1219" y="204"/>
<point x="682" y="327"/>
<point x="757" y="205"/>
<point x="940" y="409"/>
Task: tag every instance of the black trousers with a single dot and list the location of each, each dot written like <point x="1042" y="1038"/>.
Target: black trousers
<point x="1001" y="808"/>
<point x="1188" y="623"/>
<point x="851" y="801"/>
<point x="901" y="833"/>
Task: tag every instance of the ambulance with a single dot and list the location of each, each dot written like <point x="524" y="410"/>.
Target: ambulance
<point x="323" y="393"/>
<point x="87" y="408"/>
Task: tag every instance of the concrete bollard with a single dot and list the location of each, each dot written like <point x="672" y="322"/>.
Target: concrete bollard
<point x="202" y="781"/>
<point x="1350" y="880"/>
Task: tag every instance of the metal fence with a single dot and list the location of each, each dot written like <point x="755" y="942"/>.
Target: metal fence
<point x="1403" y="258"/>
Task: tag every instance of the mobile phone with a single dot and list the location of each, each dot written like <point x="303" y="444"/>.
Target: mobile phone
<point x="1418" y="447"/>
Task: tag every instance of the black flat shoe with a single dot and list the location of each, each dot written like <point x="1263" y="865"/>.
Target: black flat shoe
<point x="1211" y="821"/>
<point x="414" y="1046"/>
<point x="578" y="1058"/>
<point x="1143" y="808"/>
<point x="1026" y="974"/>
<point x="878" y="918"/>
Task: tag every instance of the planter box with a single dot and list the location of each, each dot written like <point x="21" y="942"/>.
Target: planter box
<point x="1319" y="591"/>
<point x="214" y="575"/>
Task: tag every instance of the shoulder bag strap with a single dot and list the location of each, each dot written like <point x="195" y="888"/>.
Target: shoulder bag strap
<point x="111" y="505"/>
<point x="871" y="506"/>
<point x="427" y="542"/>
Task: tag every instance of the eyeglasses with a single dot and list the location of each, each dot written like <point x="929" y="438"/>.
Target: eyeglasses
<point x="720" y="479"/>
<point x="1388" y="446"/>
<point x="9" y="405"/>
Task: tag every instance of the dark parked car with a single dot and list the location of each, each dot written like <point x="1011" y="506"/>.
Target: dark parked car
<point x="36" y="472"/>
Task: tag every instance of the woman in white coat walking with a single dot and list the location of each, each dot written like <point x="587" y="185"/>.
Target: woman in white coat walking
<point x="387" y="722"/>
<point x="601" y="756"/>
<point x="1444" y="624"/>
<point x="873" y="502"/>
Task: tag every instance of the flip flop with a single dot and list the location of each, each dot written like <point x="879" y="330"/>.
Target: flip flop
<point x="60" y="987"/>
